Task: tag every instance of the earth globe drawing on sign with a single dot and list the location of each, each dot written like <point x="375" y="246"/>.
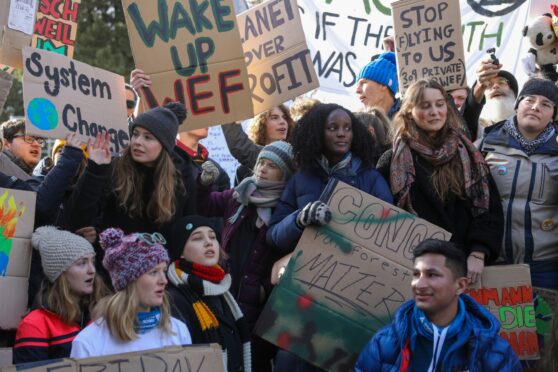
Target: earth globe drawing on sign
<point x="42" y="113"/>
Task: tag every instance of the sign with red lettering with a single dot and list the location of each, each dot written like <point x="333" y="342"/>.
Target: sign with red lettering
<point x="193" y="53"/>
<point x="63" y="96"/>
<point x="276" y="53"/>
<point x="429" y="43"/>
<point x="56" y="26"/>
<point x="507" y="293"/>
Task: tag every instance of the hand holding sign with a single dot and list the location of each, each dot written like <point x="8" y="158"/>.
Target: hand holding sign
<point x="139" y="79"/>
<point x="99" y="152"/>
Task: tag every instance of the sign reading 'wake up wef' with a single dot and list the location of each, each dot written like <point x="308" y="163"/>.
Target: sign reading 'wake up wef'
<point x="193" y="53"/>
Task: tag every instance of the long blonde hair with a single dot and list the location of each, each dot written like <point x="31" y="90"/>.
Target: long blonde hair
<point x="256" y="131"/>
<point x="446" y="178"/>
<point x="58" y="298"/>
<point x="119" y="312"/>
<point x="129" y="183"/>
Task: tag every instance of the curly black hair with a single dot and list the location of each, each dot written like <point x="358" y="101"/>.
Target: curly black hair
<point x="308" y="137"/>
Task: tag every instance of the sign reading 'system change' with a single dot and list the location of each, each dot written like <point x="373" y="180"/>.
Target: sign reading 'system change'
<point x="63" y="96"/>
<point x="193" y="53"/>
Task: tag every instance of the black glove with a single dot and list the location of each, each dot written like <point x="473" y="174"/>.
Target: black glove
<point x="314" y="213"/>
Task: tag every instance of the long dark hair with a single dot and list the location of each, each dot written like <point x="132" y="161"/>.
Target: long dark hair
<point x="308" y="137"/>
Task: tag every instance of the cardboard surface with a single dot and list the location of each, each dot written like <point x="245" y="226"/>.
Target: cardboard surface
<point x="56" y="26"/>
<point x="507" y="293"/>
<point x="17" y="209"/>
<point x="5" y="356"/>
<point x="279" y="64"/>
<point x="13" y="292"/>
<point x="200" y="358"/>
<point x="19" y="260"/>
<point x="6" y="80"/>
<point x="80" y="99"/>
<point x="429" y="42"/>
<point x="12" y="41"/>
<point x="193" y="55"/>
<point x="345" y="280"/>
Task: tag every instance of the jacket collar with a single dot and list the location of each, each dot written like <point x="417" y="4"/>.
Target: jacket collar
<point x="498" y="135"/>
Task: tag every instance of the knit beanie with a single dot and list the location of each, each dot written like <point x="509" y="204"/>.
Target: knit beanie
<point x="127" y="257"/>
<point x="512" y="82"/>
<point x="280" y="153"/>
<point x="59" y="249"/>
<point x="539" y="87"/>
<point x="382" y="70"/>
<point x="183" y="228"/>
<point x="163" y="123"/>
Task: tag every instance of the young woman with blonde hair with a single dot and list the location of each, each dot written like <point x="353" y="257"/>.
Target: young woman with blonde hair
<point x="68" y="293"/>
<point x="143" y="189"/>
<point x="436" y="172"/>
<point x="137" y="317"/>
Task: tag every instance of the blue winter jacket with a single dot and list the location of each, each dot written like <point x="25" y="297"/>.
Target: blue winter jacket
<point x="307" y="186"/>
<point x="486" y="349"/>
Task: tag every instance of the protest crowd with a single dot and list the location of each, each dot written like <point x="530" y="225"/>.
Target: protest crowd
<point x="148" y="243"/>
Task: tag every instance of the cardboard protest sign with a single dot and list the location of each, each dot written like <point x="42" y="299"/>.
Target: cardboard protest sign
<point x="6" y="68"/>
<point x="507" y="293"/>
<point x="194" y="55"/>
<point x="17" y="218"/>
<point x="63" y="96"/>
<point x="17" y="18"/>
<point x="200" y="358"/>
<point x="6" y="80"/>
<point x="345" y="280"/>
<point x="56" y="26"/>
<point x="428" y="42"/>
<point x="276" y="53"/>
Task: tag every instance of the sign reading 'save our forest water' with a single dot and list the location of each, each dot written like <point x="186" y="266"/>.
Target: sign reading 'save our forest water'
<point x="275" y="50"/>
<point x="429" y="43"/>
<point x="193" y="53"/>
<point x="345" y="280"/>
<point x="63" y="96"/>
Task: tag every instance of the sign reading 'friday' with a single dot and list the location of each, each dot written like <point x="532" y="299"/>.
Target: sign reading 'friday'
<point x="63" y="96"/>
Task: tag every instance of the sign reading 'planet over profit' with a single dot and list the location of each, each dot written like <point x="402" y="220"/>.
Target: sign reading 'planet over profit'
<point x="63" y="96"/>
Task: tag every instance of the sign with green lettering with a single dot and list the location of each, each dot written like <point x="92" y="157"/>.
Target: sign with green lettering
<point x="63" y="96"/>
<point x="193" y="53"/>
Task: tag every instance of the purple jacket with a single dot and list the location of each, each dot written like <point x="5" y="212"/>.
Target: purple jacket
<point x="255" y="285"/>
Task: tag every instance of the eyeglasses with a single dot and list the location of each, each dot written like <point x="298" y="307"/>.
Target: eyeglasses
<point x="543" y="104"/>
<point x="130" y="104"/>
<point x="151" y="239"/>
<point x="30" y="139"/>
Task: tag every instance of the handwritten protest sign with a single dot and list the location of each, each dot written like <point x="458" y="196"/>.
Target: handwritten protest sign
<point x="428" y="42"/>
<point x="56" y="26"/>
<point x="276" y="53"/>
<point x="17" y="18"/>
<point x="507" y="293"/>
<point x="200" y="358"/>
<point x="63" y="96"/>
<point x="345" y="280"/>
<point x="17" y="217"/>
<point x="194" y="55"/>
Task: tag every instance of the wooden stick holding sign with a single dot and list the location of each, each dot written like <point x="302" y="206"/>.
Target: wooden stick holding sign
<point x="279" y="64"/>
<point x="193" y="54"/>
<point x="429" y="43"/>
<point x="63" y="96"/>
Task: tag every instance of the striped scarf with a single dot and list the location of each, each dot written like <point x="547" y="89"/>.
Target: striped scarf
<point x="529" y="147"/>
<point x="184" y="275"/>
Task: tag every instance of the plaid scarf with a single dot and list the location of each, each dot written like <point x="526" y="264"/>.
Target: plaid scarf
<point x="529" y="147"/>
<point x="475" y="170"/>
<point x="263" y="194"/>
<point x="186" y="277"/>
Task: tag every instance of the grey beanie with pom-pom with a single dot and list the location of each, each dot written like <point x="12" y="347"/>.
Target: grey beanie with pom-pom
<point x="59" y="249"/>
<point x="163" y="123"/>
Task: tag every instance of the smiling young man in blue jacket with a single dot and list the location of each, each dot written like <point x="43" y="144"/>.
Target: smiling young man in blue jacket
<point x="441" y="329"/>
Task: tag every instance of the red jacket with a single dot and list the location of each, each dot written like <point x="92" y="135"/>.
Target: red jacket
<point x="43" y="335"/>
